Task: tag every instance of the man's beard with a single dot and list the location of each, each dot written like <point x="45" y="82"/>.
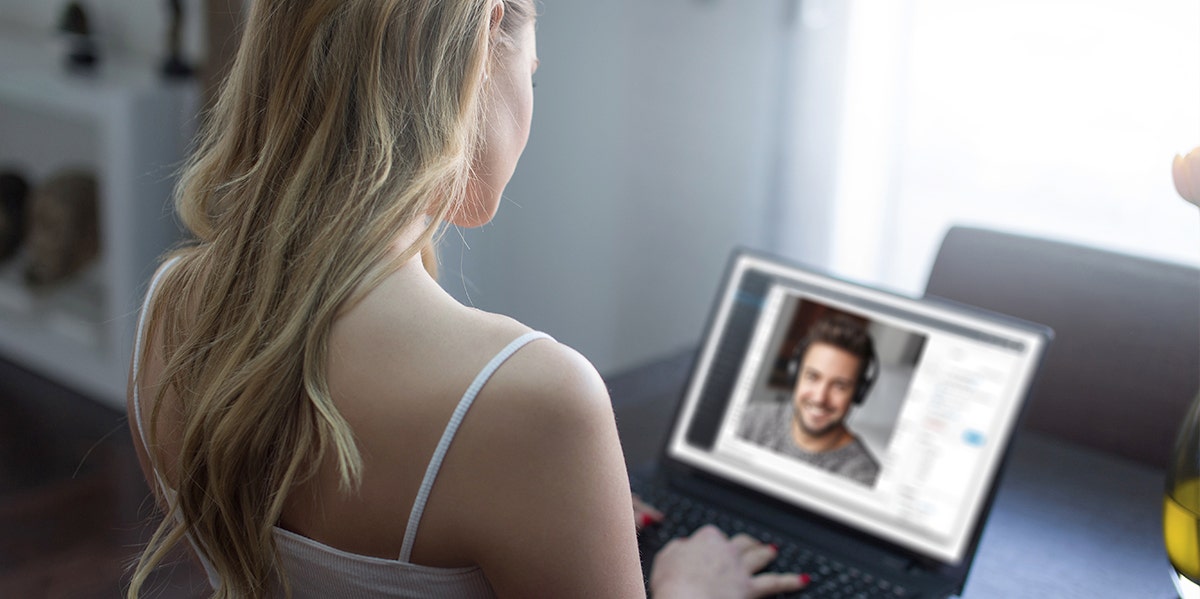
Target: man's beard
<point x="798" y="418"/>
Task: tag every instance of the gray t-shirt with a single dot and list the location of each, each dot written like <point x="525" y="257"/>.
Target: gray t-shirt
<point x="769" y="424"/>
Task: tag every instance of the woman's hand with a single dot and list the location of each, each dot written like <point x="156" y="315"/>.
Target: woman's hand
<point x="644" y="514"/>
<point x="709" y="564"/>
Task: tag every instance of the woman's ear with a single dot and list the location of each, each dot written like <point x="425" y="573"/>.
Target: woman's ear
<point x="497" y="17"/>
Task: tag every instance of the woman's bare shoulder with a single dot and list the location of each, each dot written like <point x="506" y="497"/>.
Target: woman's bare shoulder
<point x="537" y="480"/>
<point x="405" y="356"/>
<point x="408" y="331"/>
<point x="409" y="352"/>
<point x="548" y="375"/>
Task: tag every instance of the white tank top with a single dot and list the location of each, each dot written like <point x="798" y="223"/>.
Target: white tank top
<point x="315" y="570"/>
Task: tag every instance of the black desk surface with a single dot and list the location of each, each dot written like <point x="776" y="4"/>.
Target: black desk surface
<point x="1068" y="521"/>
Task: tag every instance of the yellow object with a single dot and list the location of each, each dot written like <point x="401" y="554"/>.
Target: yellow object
<point x="1181" y="528"/>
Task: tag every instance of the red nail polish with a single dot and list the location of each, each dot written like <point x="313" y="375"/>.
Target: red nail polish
<point x="773" y="547"/>
<point x="646" y="520"/>
<point x="805" y="579"/>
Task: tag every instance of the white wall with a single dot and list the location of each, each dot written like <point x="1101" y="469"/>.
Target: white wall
<point x="648" y="162"/>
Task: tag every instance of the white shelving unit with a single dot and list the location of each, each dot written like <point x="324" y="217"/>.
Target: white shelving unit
<point x="131" y="128"/>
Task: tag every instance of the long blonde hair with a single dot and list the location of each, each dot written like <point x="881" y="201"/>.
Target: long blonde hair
<point x="342" y="123"/>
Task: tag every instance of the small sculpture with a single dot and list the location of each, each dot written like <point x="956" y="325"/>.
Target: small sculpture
<point x="174" y="67"/>
<point x="81" y="48"/>
<point x="63" y="228"/>
<point x="13" y="193"/>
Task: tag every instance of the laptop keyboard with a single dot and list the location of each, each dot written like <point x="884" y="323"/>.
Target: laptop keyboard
<point x="830" y="579"/>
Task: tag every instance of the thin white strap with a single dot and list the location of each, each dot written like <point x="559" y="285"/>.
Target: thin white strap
<point x="464" y="404"/>
<point x="137" y="355"/>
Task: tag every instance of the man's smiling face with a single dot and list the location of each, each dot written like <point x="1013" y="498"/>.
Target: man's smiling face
<point x="824" y="389"/>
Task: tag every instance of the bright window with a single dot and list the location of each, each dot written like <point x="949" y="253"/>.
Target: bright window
<point x="1057" y="118"/>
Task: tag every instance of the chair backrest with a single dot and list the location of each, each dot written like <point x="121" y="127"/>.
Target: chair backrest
<point x="1125" y="361"/>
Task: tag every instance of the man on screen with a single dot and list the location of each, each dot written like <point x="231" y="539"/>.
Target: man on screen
<point x="832" y="369"/>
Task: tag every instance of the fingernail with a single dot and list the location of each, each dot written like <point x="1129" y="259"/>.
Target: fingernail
<point x="805" y="579"/>
<point x="774" y="547"/>
<point x="646" y="520"/>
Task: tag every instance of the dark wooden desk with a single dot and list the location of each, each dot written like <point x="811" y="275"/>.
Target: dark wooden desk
<point x="1068" y="522"/>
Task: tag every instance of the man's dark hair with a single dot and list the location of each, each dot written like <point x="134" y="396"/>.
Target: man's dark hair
<point x="845" y="333"/>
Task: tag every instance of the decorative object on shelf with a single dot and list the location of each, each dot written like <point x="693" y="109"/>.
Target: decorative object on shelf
<point x="63" y="229"/>
<point x="82" y="54"/>
<point x="14" y="192"/>
<point x="1181" y="503"/>
<point x="174" y="67"/>
<point x="130" y="127"/>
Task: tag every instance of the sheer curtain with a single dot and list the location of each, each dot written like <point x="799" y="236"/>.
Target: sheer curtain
<point x="1057" y="118"/>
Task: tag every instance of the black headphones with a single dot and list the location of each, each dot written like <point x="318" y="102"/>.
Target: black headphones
<point x="866" y="374"/>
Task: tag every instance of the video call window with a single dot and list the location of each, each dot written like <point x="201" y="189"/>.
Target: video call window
<point x="830" y="390"/>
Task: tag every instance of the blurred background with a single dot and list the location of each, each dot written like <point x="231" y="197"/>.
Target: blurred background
<point x="844" y="134"/>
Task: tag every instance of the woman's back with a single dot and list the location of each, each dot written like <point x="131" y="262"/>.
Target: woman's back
<point x="397" y="380"/>
<point x="302" y="364"/>
<point x="399" y="363"/>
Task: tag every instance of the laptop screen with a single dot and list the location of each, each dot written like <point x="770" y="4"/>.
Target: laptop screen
<point x="884" y="413"/>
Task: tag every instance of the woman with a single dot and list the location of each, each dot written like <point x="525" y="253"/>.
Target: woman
<point x="298" y="364"/>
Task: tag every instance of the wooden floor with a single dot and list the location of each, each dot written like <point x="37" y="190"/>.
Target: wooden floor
<point x="74" y="510"/>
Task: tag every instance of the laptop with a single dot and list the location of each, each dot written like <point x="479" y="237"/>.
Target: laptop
<point x="884" y="494"/>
